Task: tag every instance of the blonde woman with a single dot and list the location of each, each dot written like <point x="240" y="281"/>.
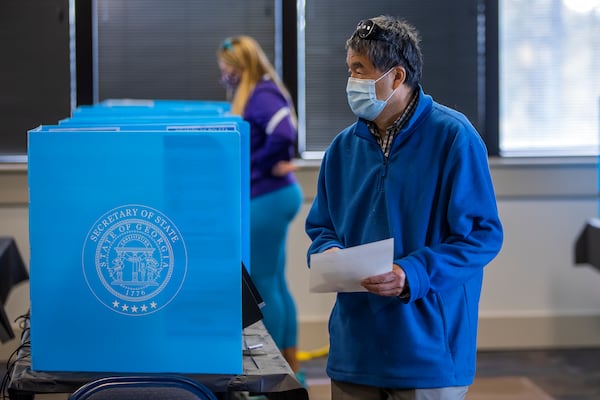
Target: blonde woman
<point x="258" y="95"/>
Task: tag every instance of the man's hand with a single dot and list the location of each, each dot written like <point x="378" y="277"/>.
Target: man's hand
<point x="389" y="284"/>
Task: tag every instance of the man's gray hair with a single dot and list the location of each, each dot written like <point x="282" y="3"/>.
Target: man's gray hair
<point x="397" y="44"/>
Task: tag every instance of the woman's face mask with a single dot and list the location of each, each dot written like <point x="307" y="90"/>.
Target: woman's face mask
<point x="362" y="97"/>
<point x="230" y="81"/>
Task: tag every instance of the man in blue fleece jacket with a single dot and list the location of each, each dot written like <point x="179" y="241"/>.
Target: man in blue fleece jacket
<point x="416" y="171"/>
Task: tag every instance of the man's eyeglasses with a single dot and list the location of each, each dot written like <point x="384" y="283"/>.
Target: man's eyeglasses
<point x="367" y="29"/>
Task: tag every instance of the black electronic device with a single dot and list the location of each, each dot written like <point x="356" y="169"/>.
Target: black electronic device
<point x="252" y="301"/>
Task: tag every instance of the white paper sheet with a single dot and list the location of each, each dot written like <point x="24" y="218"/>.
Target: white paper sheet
<point x="343" y="270"/>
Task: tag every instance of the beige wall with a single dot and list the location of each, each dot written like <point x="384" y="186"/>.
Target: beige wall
<point x="533" y="296"/>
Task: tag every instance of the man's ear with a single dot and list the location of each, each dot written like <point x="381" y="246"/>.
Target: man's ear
<point x="400" y="76"/>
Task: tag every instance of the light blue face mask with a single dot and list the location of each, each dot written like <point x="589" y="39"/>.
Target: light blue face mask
<point x="362" y="97"/>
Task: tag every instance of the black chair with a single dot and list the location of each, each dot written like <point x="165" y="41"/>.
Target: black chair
<point x="146" y="387"/>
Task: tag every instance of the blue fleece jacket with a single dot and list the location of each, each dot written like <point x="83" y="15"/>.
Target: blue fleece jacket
<point x="434" y="196"/>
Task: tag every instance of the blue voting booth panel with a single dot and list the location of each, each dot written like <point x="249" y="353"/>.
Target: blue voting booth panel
<point x="135" y="107"/>
<point x="135" y="251"/>
<point x="137" y="122"/>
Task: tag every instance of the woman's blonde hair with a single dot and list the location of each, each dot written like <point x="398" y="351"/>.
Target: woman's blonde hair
<point x="248" y="59"/>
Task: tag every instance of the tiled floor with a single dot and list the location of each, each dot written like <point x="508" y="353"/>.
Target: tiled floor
<point x="564" y="374"/>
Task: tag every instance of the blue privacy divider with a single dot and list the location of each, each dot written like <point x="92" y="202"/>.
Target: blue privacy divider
<point x="135" y="251"/>
<point x="143" y="107"/>
<point x="187" y="123"/>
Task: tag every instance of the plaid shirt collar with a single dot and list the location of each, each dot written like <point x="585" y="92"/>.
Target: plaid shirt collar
<point x="392" y="131"/>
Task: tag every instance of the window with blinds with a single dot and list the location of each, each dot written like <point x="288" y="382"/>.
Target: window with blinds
<point x="549" y="77"/>
<point x="34" y="71"/>
<point x="451" y="33"/>
<point x="157" y="49"/>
